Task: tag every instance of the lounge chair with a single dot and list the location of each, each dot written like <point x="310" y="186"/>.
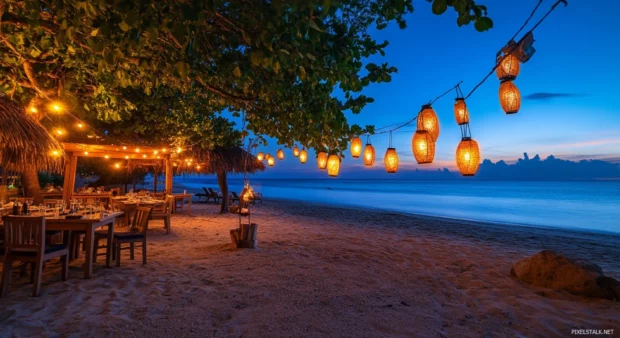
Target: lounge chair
<point x="216" y="197"/>
<point x="206" y="195"/>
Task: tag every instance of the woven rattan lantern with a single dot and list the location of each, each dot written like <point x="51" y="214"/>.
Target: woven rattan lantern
<point x="271" y="161"/>
<point x="423" y="147"/>
<point x="468" y="156"/>
<point x="267" y="156"/>
<point x="303" y="156"/>
<point x="460" y="112"/>
<point x="369" y="155"/>
<point x="509" y="68"/>
<point x="321" y="160"/>
<point x="333" y="165"/>
<point x="280" y="154"/>
<point x="356" y="147"/>
<point x="428" y="120"/>
<point x="260" y="156"/>
<point x="391" y="161"/>
<point x="509" y="97"/>
<point x="295" y="151"/>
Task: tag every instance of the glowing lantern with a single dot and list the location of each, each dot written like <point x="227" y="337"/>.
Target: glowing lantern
<point x="295" y="151"/>
<point x="260" y="156"/>
<point x="460" y="112"/>
<point x="423" y="147"/>
<point x="509" y="97"/>
<point x="280" y="154"/>
<point x="86" y="153"/>
<point x="468" y="156"/>
<point x="509" y="68"/>
<point x="56" y="107"/>
<point x="116" y="165"/>
<point x="369" y="155"/>
<point x="107" y="157"/>
<point x="333" y="165"/>
<point x="303" y="156"/>
<point x="391" y="160"/>
<point x="321" y="160"/>
<point x="267" y="157"/>
<point x="427" y="120"/>
<point x="271" y="161"/>
<point x="356" y="147"/>
<point x="33" y="109"/>
<point x="55" y="153"/>
<point x="80" y="125"/>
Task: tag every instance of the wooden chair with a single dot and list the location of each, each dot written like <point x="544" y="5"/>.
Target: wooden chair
<point x="137" y="234"/>
<point x="165" y="214"/>
<point x="25" y="242"/>
<point x="115" y="192"/>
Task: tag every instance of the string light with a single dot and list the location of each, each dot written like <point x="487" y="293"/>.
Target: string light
<point x="179" y="150"/>
<point x="86" y="153"/>
<point x="107" y="157"/>
<point x="155" y="152"/>
<point x="80" y="125"/>
<point x="117" y="165"/>
<point x="56" y="107"/>
<point x="124" y="148"/>
<point x="126" y="157"/>
<point x="33" y="109"/>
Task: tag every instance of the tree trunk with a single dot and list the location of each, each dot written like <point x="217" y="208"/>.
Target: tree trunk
<point x="30" y="183"/>
<point x="223" y="183"/>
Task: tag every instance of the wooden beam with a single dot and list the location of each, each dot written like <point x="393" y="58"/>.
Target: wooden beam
<point x="117" y="152"/>
<point x="169" y="175"/>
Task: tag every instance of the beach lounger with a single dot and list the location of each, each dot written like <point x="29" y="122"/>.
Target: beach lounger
<point x="214" y="195"/>
<point x="206" y="195"/>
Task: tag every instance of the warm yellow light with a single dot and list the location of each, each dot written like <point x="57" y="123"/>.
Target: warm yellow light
<point x="137" y="150"/>
<point x="509" y="97"/>
<point x="124" y="148"/>
<point x="460" y="112"/>
<point x="59" y="132"/>
<point x="158" y="157"/>
<point x="80" y="125"/>
<point x="86" y="153"/>
<point x="369" y="155"/>
<point x="391" y="161"/>
<point x="33" y="109"/>
<point x="198" y="167"/>
<point x="333" y="165"/>
<point x="174" y="164"/>
<point x="56" y="107"/>
<point x="179" y="150"/>
<point x="107" y="157"/>
<point x="271" y="161"/>
<point x="509" y="68"/>
<point x="144" y="156"/>
<point x="280" y="154"/>
<point x="356" y="147"/>
<point x="260" y="156"/>
<point x="155" y="152"/>
<point x="468" y="157"/>
<point x="126" y="157"/>
<point x="321" y="160"/>
<point x="55" y="153"/>
<point x="163" y="150"/>
<point x="303" y="156"/>
<point x="117" y="165"/>
<point x="423" y="147"/>
<point x="295" y="151"/>
<point x="428" y="120"/>
<point x="267" y="156"/>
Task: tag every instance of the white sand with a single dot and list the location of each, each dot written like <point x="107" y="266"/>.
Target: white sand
<point x="319" y="272"/>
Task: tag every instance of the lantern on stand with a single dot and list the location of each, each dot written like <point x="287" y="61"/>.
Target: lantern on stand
<point x="271" y="161"/>
<point x="295" y="151"/>
<point x="509" y="97"/>
<point x="333" y="165"/>
<point x="428" y="120"/>
<point x="321" y="160"/>
<point x="509" y="67"/>
<point x="461" y="114"/>
<point x="369" y="154"/>
<point x="423" y="147"/>
<point x="303" y="156"/>
<point x="280" y="154"/>
<point x="468" y="156"/>
<point x="356" y="147"/>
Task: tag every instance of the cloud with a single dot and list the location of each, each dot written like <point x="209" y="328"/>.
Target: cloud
<point x="544" y="96"/>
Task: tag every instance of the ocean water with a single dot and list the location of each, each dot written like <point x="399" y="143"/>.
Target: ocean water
<point x="590" y="205"/>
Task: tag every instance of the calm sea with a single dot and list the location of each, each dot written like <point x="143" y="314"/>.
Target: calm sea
<point x="592" y="205"/>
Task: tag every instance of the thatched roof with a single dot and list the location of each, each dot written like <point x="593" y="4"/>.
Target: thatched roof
<point x="231" y="160"/>
<point x="24" y="142"/>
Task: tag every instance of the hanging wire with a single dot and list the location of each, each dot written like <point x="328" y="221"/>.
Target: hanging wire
<point x="526" y="21"/>
<point x="446" y="93"/>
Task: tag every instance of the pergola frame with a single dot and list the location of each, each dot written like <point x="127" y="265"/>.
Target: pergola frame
<point x="124" y="152"/>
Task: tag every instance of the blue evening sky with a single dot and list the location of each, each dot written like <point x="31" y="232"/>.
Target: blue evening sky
<point x="577" y="53"/>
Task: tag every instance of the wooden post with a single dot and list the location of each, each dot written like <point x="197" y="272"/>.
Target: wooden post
<point x="169" y="174"/>
<point x="69" y="182"/>
<point x="155" y="176"/>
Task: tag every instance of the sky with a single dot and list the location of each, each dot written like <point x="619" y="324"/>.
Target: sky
<point x="570" y="87"/>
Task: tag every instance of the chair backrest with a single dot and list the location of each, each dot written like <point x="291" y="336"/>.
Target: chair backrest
<point x="206" y="191"/>
<point x="213" y="193"/>
<point x="24" y="232"/>
<point x="141" y="220"/>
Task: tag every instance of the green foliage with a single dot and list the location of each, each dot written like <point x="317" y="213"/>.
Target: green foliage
<point x="161" y="71"/>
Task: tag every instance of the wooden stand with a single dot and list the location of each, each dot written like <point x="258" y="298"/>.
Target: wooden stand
<point x="244" y="236"/>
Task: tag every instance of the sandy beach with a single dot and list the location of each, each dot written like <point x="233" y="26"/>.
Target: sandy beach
<point x="319" y="271"/>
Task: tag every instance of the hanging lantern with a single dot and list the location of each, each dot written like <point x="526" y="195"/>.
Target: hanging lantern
<point x="509" y="68"/>
<point x="280" y="154"/>
<point x="423" y="147"/>
<point x="321" y="160"/>
<point x="356" y="147"/>
<point x="369" y="155"/>
<point x="295" y="151"/>
<point x="260" y="156"/>
<point x="267" y="157"/>
<point x="391" y="160"/>
<point x="333" y="165"/>
<point x="509" y="97"/>
<point x="303" y="156"/>
<point x="271" y="161"/>
<point x="468" y="156"/>
<point x="427" y="120"/>
<point x="460" y="112"/>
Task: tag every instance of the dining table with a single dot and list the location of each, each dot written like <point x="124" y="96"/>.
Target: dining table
<point x="87" y="224"/>
<point x="182" y="198"/>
